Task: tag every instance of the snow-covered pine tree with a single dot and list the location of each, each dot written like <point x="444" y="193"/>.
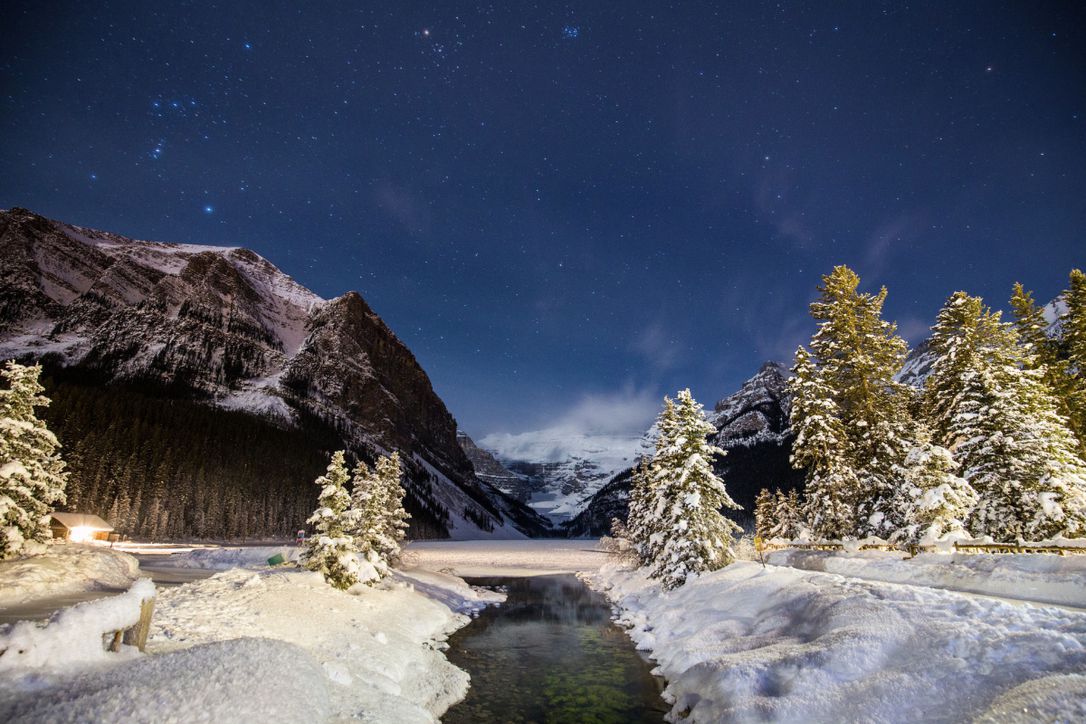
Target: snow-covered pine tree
<point x="691" y="535"/>
<point x="1042" y="351"/>
<point x="765" y="514"/>
<point x="393" y="516"/>
<point x="32" y="475"/>
<point x="1001" y="423"/>
<point x="857" y="354"/>
<point x="820" y="448"/>
<point x="638" y="509"/>
<point x="787" y="515"/>
<point x="363" y="516"/>
<point x="331" y="549"/>
<point x="934" y="501"/>
<point x="1074" y="335"/>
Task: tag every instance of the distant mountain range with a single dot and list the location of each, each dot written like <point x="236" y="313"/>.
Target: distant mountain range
<point x="175" y="324"/>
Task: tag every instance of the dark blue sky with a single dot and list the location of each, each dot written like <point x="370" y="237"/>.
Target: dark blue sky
<point x="569" y="206"/>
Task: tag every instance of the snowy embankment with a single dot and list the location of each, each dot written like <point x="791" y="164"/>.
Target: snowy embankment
<point x="268" y="644"/>
<point x="753" y="643"/>
<point x="536" y="557"/>
<point x="64" y="569"/>
<point x="1050" y="579"/>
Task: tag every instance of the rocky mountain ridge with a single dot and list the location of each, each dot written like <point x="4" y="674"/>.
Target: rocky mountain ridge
<point x="751" y="427"/>
<point x="225" y="326"/>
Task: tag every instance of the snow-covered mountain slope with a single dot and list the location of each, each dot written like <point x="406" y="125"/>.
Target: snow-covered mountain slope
<point x="752" y="429"/>
<point x="226" y="326"/>
<point x="560" y="470"/>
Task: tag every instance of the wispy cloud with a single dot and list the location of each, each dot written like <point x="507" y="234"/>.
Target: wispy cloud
<point x="404" y="207"/>
<point x="657" y="346"/>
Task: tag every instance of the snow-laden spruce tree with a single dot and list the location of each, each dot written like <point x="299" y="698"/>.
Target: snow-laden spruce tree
<point x="32" y="475"/>
<point x="393" y="515"/>
<point x="820" y="448"/>
<point x="765" y="514"/>
<point x="331" y="549"/>
<point x="1073" y="322"/>
<point x="1000" y="421"/>
<point x="857" y="353"/>
<point x="638" y="509"/>
<point x="934" y="502"/>
<point x="788" y="518"/>
<point x="687" y="533"/>
<point x="377" y="516"/>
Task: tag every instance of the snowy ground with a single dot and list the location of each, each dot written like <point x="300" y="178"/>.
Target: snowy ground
<point x="1050" y="579"/>
<point x="268" y="644"/>
<point x="506" y="558"/>
<point x="749" y="643"/>
<point x="65" y="570"/>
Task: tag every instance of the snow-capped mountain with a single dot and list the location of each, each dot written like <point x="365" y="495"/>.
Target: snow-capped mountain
<point x="559" y="470"/>
<point x="226" y="326"/>
<point x="752" y="429"/>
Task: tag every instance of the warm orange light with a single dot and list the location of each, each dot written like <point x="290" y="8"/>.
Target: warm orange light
<point x="81" y="534"/>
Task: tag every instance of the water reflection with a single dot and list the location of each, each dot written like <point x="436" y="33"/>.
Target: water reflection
<point x="550" y="653"/>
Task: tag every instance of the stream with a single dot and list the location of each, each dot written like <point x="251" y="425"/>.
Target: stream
<point x="551" y="653"/>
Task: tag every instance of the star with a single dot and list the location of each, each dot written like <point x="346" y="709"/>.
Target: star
<point x="209" y="209"/>
<point x="571" y="32"/>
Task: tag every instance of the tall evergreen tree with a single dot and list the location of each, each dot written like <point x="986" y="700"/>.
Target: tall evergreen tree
<point x="331" y="549"/>
<point x="787" y="516"/>
<point x="1074" y="335"/>
<point x="32" y="475"/>
<point x="1000" y="421"/>
<point x="820" y="449"/>
<point x="689" y="534"/>
<point x="637" y="517"/>
<point x="1043" y="352"/>
<point x="857" y="353"/>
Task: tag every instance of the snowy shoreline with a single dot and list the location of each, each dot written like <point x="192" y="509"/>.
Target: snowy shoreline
<point x="267" y="643"/>
<point x="754" y="643"/>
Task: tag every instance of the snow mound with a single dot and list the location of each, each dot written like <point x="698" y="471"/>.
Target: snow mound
<point x="73" y="635"/>
<point x="1037" y="577"/>
<point x="221" y="559"/>
<point x="243" y="680"/>
<point x="378" y="648"/>
<point x="64" y="569"/>
<point x="748" y="643"/>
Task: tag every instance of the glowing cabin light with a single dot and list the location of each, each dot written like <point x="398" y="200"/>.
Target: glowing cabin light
<point x="81" y="534"/>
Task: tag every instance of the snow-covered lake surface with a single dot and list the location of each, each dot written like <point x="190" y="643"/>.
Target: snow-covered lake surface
<point x="531" y="557"/>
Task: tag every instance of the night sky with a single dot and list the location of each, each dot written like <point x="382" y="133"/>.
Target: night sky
<point x="567" y="211"/>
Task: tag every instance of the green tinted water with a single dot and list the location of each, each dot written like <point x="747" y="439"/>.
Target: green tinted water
<point x="551" y="653"/>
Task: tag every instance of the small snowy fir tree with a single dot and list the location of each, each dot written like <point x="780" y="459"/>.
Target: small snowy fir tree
<point x="765" y="514"/>
<point x="1001" y="422"/>
<point x="638" y="510"/>
<point x="689" y="534"/>
<point x="32" y="475"/>
<point x="393" y="515"/>
<point x="820" y="448"/>
<point x="934" y="501"/>
<point x="331" y="549"/>
<point x="786" y="512"/>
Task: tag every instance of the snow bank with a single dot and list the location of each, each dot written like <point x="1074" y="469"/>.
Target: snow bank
<point x="506" y="558"/>
<point x="749" y="643"/>
<point x="244" y="680"/>
<point x="1038" y="577"/>
<point x="378" y="648"/>
<point x="221" y="559"/>
<point x="73" y="635"/>
<point x="64" y="569"/>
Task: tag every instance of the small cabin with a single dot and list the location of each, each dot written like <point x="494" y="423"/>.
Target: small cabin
<point x="79" y="527"/>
